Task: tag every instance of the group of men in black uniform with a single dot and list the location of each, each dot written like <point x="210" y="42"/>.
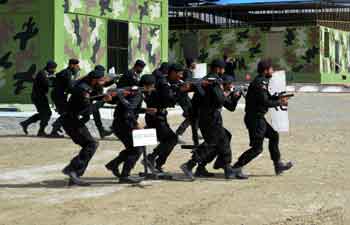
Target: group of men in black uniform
<point x="61" y="84"/>
<point x="164" y="88"/>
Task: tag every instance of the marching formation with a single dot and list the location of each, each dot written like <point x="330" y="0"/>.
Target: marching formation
<point x="76" y="99"/>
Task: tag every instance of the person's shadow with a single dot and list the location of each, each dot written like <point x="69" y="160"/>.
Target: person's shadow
<point x="63" y="183"/>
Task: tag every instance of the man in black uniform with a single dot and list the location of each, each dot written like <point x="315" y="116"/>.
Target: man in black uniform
<point x="230" y="67"/>
<point x="186" y="105"/>
<point x="164" y="97"/>
<point x="125" y="121"/>
<point x="41" y="85"/>
<point x="132" y="77"/>
<point x="80" y="105"/>
<point x="161" y="72"/>
<point x="258" y="101"/>
<point x="59" y="95"/>
<point x="96" y="114"/>
<point x="217" y="138"/>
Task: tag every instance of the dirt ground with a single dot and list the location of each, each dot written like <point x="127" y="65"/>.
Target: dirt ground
<point x="317" y="191"/>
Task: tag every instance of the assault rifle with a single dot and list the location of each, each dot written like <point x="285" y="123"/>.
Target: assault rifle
<point x="281" y="95"/>
<point x="127" y="91"/>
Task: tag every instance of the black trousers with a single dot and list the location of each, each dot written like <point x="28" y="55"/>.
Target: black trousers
<point x="81" y="136"/>
<point x="61" y="107"/>
<point x="166" y="137"/>
<point x="130" y="155"/>
<point x="44" y="112"/>
<point x="98" y="120"/>
<point x="189" y="121"/>
<point x="219" y="138"/>
<point x="259" y="129"/>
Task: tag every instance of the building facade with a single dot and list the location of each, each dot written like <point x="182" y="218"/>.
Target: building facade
<point x="113" y="33"/>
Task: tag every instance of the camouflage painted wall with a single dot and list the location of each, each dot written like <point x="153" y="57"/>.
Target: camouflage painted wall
<point x="330" y="72"/>
<point x="295" y="49"/>
<point x="86" y="35"/>
<point x="145" y="43"/>
<point x="139" y="10"/>
<point x="21" y="30"/>
<point x="85" y="38"/>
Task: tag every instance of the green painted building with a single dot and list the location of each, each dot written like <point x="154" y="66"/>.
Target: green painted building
<point x="113" y="33"/>
<point x="310" y="40"/>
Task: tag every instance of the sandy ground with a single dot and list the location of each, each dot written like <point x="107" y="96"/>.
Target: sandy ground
<point x="316" y="191"/>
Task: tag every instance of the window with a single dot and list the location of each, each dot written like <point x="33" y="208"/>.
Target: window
<point x="326" y="44"/>
<point x="118" y="35"/>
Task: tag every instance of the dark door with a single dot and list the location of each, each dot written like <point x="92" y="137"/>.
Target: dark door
<point x="118" y="34"/>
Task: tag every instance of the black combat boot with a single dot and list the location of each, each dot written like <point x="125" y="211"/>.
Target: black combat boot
<point x="104" y="133"/>
<point x="239" y="173"/>
<point x="41" y="133"/>
<point x="150" y="163"/>
<point x="113" y="167"/>
<point x="280" y="167"/>
<point x="202" y="171"/>
<point x="187" y="169"/>
<point x="24" y="126"/>
<point x="74" y="178"/>
<point x="229" y="172"/>
<point x="55" y="134"/>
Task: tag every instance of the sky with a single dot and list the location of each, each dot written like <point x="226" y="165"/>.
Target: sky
<point x="249" y="1"/>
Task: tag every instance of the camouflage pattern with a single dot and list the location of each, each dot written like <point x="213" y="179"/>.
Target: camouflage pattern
<point x="19" y="50"/>
<point x="328" y="64"/>
<point x="145" y="44"/>
<point x="83" y="32"/>
<point x="85" y="39"/>
<point x="116" y="9"/>
<point x="298" y="52"/>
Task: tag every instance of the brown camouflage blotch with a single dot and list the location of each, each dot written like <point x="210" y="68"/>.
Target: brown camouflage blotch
<point x="25" y="58"/>
<point x="132" y="9"/>
<point x="90" y="5"/>
<point x="16" y="5"/>
<point x="69" y="52"/>
<point x="255" y="38"/>
<point x="100" y="55"/>
<point x="84" y="33"/>
<point x="7" y="31"/>
<point x="313" y="36"/>
<point x="158" y="58"/>
<point x="144" y="38"/>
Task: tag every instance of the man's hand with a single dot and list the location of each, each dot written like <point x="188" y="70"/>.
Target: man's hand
<point x="186" y="87"/>
<point x="107" y="98"/>
<point x="139" y="126"/>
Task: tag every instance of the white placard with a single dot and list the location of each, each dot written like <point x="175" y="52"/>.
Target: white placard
<point x="200" y="71"/>
<point x="144" y="137"/>
<point x="280" y="119"/>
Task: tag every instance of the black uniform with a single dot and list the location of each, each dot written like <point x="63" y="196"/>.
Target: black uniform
<point x="161" y="99"/>
<point x="97" y="115"/>
<point x="258" y="101"/>
<point x="62" y="86"/>
<point x="186" y="105"/>
<point x="79" y="105"/>
<point x="158" y="74"/>
<point x="209" y="106"/>
<point x="129" y="79"/>
<point x="125" y="121"/>
<point x="230" y="69"/>
<point x="230" y="103"/>
<point x="42" y="83"/>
